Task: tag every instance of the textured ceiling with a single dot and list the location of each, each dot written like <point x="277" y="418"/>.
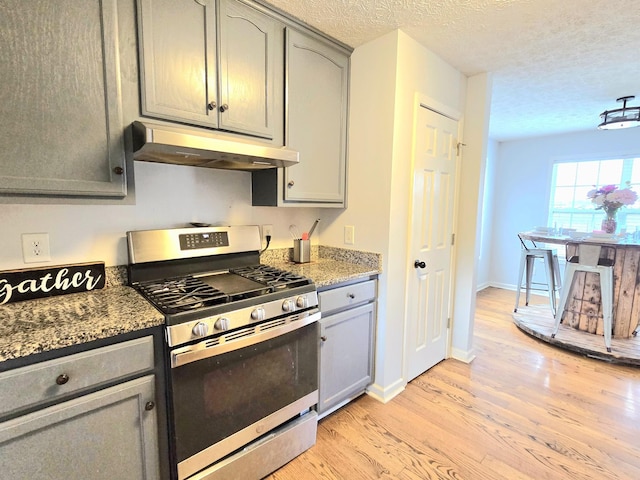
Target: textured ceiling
<point x="556" y="64"/>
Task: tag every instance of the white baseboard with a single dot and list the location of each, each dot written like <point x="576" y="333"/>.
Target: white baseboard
<point x="384" y="394"/>
<point x="465" y="356"/>
<point x="504" y="286"/>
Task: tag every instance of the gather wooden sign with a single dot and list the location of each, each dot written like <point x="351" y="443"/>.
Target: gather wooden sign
<point x="28" y="284"/>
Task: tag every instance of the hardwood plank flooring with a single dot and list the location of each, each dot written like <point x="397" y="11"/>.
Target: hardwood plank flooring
<point x="523" y="409"/>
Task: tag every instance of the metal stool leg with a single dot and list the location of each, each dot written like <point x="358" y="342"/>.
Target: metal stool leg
<point x="530" y="262"/>
<point x="551" y="284"/>
<point x="569" y="271"/>
<point x="606" y="294"/>
<point x="523" y="261"/>
<point x="556" y="271"/>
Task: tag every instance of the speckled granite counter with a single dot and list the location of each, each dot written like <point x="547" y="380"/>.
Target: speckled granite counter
<point x="328" y="265"/>
<point x="36" y="326"/>
<point x="41" y="325"/>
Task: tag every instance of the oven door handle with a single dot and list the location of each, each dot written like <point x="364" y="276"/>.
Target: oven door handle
<point x="261" y="333"/>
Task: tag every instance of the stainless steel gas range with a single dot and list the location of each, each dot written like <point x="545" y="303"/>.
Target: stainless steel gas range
<point x="241" y="349"/>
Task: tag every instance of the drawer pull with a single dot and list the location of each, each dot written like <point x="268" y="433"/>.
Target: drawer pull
<point x="62" y="379"/>
<point x="149" y="406"/>
<point x="323" y="338"/>
<point x="351" y="296"/>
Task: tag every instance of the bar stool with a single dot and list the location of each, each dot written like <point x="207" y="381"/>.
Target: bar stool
<point x="528" y="256"/>
<point x="589" y="260"/>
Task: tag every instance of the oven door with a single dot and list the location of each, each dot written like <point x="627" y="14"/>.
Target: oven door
<point x="233" y="389"/>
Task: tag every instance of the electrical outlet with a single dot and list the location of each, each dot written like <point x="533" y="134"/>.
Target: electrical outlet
<point x="349" y="234"/>
<point x="267" y="230"/>
<point x="35" y="247"/>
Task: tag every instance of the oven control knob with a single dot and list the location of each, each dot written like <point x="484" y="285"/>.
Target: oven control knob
<point x="302" y="302"/>
<point x="258" y="314"/>
<point x="288" y="305"/>
<point x="222" y="324"/>
<point x="200" y="329"/>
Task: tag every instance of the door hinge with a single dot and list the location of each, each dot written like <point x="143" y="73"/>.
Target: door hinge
<point x="449" y="322"/>
<point x="458" y="147"/>
<point x="453" y="239"/>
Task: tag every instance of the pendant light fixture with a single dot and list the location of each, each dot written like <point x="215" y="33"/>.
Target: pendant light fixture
<point x="624" y="117"/>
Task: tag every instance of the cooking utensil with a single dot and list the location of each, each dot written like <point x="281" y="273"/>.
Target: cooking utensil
<point x="313" y="227"/>
<point x="293" y="230"/>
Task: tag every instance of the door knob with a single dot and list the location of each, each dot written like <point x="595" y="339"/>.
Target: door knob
<point x="419" y="264"/>
<point x="224" y="108"/>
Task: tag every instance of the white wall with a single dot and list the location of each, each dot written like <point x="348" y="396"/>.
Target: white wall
<point x="486" y="224"/>
<point x="386" y="75"/>
<point x="469" y="214"/>
<point x="166" y="196"/>
<point x="522" y="180"/>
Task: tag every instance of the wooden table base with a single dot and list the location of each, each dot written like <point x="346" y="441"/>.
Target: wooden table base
<point x="584" y="311"/>
<point x="537" y="321"/>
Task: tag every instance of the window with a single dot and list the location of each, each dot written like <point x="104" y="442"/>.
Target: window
<point x="569" y="206"/>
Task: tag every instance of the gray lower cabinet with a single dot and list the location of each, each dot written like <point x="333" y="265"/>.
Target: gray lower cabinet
<point x="60" y="99"/>
<point x="212" y="63"/>
<point x="108" y="433"/>
<point x="346" y="343"/>
<point x="316" y="127"/>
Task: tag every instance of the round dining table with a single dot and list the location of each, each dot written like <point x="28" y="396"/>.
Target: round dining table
<point x="583" y="309"/>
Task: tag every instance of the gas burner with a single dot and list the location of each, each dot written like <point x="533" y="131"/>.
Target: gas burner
<point x="181" y="294"/>
<point x="278" y="279"/>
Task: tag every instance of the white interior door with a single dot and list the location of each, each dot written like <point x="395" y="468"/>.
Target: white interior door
<point x="431" y="229"/>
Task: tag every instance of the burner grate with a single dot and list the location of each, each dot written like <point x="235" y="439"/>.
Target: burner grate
<point x="181" y="294"/>
<point x="271" y="276"/>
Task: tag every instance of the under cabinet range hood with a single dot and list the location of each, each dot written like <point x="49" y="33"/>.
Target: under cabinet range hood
<point x="184" y="146"/>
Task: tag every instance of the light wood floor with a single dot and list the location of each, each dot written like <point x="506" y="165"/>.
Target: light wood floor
<point x="523" y="409"/>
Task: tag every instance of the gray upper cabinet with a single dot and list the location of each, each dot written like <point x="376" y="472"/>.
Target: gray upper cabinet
<point x="317" y="76"/>
<point x="178" y="60"/>
<point x="317" y="86"/>
<point x="60" y="99"/>
<point x="212" y="64"/>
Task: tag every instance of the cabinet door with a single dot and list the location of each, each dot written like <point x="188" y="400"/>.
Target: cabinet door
<point x="177" y="40"/>
<point x="346" y="355"/>
<point x="317" y="77"/>
<point x="251" y="61"/>
<point x="106" y="435"/>
<point x="60" y="99"/>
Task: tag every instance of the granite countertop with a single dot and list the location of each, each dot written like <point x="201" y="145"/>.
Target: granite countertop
<point x="328" y="265"/>
<point x="326" y="272"/>
<point x="36" y="326"/>
<point x="42" y="325"/>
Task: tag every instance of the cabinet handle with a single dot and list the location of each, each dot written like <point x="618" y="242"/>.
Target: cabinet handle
<point x="211" y="105"/>
<point x="224" y="108"/>
<point x="149" y="406"/>
<point x="62" y="379"/>
<point x="323" y="338"/>
<point x="351" y="296"/>
<point x="118" y="170"/>
<point x="290" y="184"/>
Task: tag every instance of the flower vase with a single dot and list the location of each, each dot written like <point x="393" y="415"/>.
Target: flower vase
<point x="609" y="224"/>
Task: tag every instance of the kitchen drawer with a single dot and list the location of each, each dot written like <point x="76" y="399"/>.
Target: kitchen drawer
<point x="347" y="296"/>
<point x="44" y="382"/>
